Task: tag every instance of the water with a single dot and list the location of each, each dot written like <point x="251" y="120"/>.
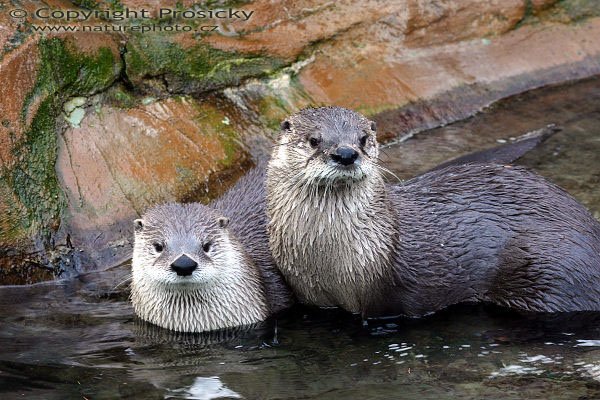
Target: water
<point x="79" y="339"/>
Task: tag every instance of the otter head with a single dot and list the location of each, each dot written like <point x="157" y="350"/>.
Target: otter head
<point x="328" y="144"/>
<point x="190" y="273"/>
<point x="185" y="245"/>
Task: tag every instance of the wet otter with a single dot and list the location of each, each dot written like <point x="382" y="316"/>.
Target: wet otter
<point x="177" y="286"/>
<point x="463" y="233"/>
<point x="191" y="273"/>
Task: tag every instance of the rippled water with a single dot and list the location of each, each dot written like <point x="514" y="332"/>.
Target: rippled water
<point x="79" y="339"/>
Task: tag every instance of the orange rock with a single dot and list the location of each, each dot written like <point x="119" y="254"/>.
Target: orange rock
<point x="89" y="42"/>
<point x="381" y="75"/>
<point x="539" y="5"/>
<point x="18" y="73"/>
<point x="450" y="21"/>
<point x="290" y="27"/>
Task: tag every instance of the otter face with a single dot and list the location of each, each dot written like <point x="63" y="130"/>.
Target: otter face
<point x="183" y="245"/>
<point x="328" y="144"/>
<point x="190" y="274"/>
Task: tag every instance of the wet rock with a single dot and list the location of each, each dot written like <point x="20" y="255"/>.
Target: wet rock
<point x="439" y="85"/>
<point x="85" y="114"/>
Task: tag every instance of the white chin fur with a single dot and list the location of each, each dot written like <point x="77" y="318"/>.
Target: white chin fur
<point x="330" y="172"/>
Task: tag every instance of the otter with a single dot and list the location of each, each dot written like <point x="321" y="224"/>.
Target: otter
<point x="478" y="232"/>
<point x="195" y="270"/>
<point x="180" y="285"/>
<point x="190" y="274"/>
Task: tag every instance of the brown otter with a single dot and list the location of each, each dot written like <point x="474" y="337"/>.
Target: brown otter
<point x="463" y="233"/>
<point x="190" y="271"/>
<point x="179" y="285"/>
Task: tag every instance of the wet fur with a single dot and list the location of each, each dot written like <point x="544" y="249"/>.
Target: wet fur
<point x="459" y="234"/>
<point x="245" y="205"/>
<point x="249" y="287"/>
<point x="224" y="291"/>
<point x="492" y="233"/>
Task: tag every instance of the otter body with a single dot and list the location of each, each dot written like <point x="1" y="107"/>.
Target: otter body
<point x="342" y="237"/>
<point x="492" y="233"/>
<point x="235" y="281"/>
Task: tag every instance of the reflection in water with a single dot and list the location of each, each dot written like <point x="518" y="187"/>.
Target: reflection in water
<point x="204" y="389"/>
<point x="79" y="338"/>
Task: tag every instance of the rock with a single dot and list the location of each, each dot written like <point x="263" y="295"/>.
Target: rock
<point x="429" y="24"/>
<point x="540" y="5"/>
<point x="84" y="115"/>
<point x="275" y="24"/>
<point x="165" y="64"/>
<point x="18" y="72"/>
<point x="446" y="83"/>
<point x="36" y="79"/>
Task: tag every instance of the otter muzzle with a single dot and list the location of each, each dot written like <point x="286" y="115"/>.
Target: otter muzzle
<point x="344" y="155"/>
<point x="184" y="265"/>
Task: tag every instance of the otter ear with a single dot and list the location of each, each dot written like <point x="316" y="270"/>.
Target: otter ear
<point x="138" y="225"/>
<point x="286" y="125"/>
<point x="373" y="126"/>
<point x="223" y="222"/>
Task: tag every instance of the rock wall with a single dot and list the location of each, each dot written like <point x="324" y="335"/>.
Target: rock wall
<point x="96" y="126"/>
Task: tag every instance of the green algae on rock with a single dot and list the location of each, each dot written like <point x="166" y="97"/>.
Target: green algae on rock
<point x="63" y="73"/>
<point x="195" y="69"/>
<point x="32" y="189"/>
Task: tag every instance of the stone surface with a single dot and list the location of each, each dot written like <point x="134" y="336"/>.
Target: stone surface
<point x="83" y="115"/>
<point x="448" y="82"/>
<point x="18" y="73"/>
<point x="429" y="24"/>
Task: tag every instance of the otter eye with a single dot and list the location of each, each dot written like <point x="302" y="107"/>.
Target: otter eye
<point x="206" y="247"/>
<point x="363" y="140"/>
<point x="373" y="126"/>
<point x="158" y="247"/>
<point x="314" y="142"/>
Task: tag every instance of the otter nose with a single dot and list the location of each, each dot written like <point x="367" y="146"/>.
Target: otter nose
<point x="344" y="155"/>
<point x="184" y="265"/>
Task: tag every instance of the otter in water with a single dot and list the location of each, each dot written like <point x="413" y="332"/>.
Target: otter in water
<point x="464" y="233"/>
<point x="194" y="270"/>
<point x="190" y="274"/>
<point x="181" y="285"/>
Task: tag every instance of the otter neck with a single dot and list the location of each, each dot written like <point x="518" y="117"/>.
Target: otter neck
<point x="332" y="242"/>
<point x="200" y="307"/>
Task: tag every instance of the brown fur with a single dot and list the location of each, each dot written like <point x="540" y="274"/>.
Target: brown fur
<point x="475" y="232"/>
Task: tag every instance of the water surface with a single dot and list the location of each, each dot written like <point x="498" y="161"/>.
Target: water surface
<point x="79" y="339"/>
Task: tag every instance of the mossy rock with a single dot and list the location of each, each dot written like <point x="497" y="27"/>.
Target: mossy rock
<point x="30" y="179"/>
<point x="197" y="69"/>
